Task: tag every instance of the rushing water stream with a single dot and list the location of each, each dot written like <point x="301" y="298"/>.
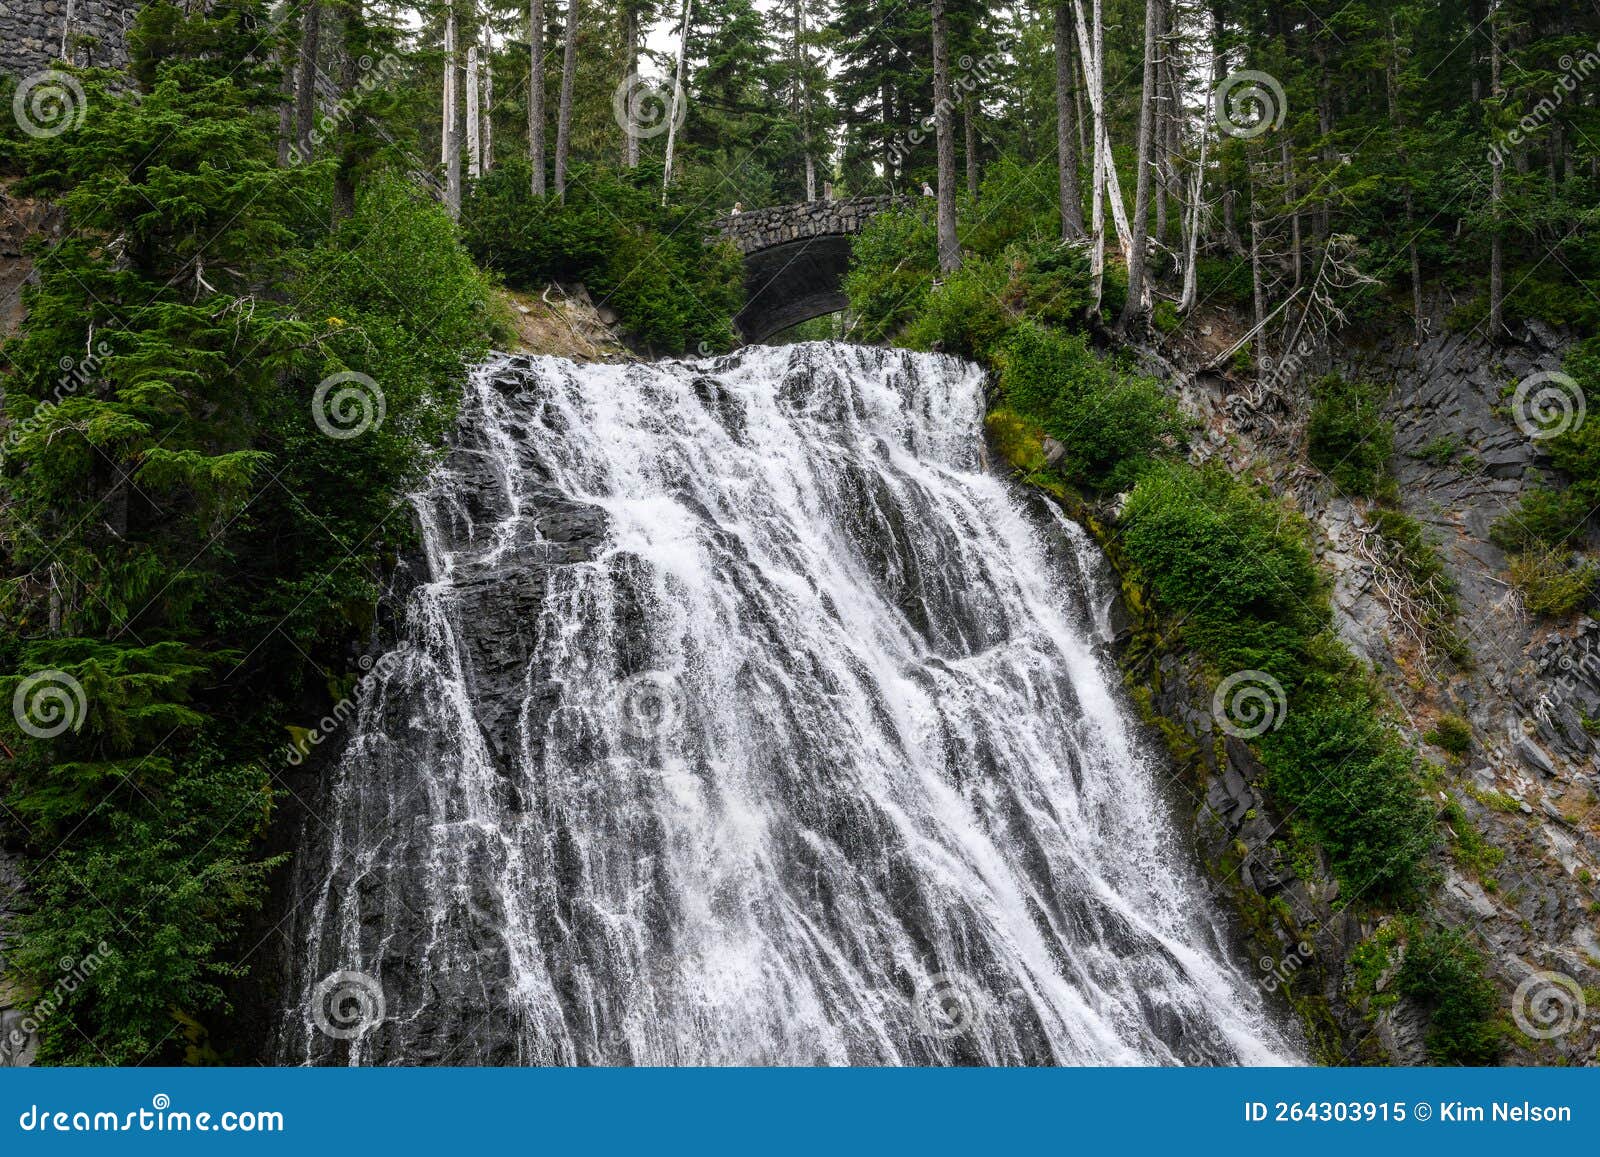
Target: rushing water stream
<point x="741" y="717"/>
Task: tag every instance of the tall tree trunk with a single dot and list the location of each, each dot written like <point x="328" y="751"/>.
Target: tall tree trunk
<point x="1497" y="192"/>
<point x="1286" y="160"/>
<point x="801" y="103"/>
<point x="886" y="105"/>
<point x="474" y="117"/>
<point x="1191" y="273"/>
<point x="1110" y="189"/>
<point x="1257" y="287"/>
<point x="630" y="66"/>
<point x="285" y="107"/>
<point x="1093" y="66"/>
<point x="677" y="93"/>
<point x="486" y="133"/>
<point x="569" y="72"/>
<point x="536" y="95"/>
<point x="970" y="146"/>
<point x="452" y="118"/>
<point x="352" y="44"/>
<point x="949" y="246"/>
<point x="1397" y="126"/>
<point x="305" y="93"/>
<point x="1134" y="307"/>
<point x="1066" y="152"/>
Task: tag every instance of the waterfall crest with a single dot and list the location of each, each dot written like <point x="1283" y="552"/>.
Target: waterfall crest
<point x="741" y="717"/>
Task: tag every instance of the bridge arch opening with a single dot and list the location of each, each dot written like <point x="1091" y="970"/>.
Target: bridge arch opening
<point x="795" y="259"/>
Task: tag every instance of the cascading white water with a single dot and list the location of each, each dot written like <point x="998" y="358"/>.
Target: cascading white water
<point x="744" y="718"/>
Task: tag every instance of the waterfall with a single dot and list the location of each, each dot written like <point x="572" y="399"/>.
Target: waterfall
<point x="741" y="716"/>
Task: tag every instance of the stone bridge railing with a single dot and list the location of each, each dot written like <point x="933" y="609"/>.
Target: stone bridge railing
<point x="763" y="228"/>
<point x="33" y="32"/>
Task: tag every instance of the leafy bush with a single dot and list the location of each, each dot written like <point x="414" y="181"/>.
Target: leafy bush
<point x="1336" y="761"/>
<point x="892" y="265"/>
<point x="1225" y="280"/>
<point x="1452" y="734"/>
<point x="1554" y="582"/>
<point x="1545" y="518"/>
<point x="1109" y="422"/>
<point x="1236" y="569"/>
<point x="965" y="316"/>
<point x="1232" y="564"/>
<point x="203" y="536"/>
<point x="1051" y="282"/>
<point x="648" y="262"/>
<point x="1444" y="974"/>
<point x="1559" y="517"/>
<point x="1345" y="436"/>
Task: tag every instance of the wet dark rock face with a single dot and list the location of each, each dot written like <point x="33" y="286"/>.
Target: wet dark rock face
<point x="739" y="717"/>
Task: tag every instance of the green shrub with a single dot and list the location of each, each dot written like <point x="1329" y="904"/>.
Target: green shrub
<point x="1336" y="762"/>
<point x="966" y="315"/>
<point x="648" y="262"/>
<point x="1545" y="518"/>
<point x="1451" y="733"/>
<point x="1345" y="436"/>
<point x="1016" y="202"/>
<point x="1051" y="283"/>
<point x="893" y="262"/>
<point x="1440" y="451"/>
<point x="1225" y="280"/>
<point x="1236" y="569"/>
<point x="1444" y="974"/>
<point x="1554" y="582"/>
<point x="213" y="552"/>
<point x="1109" y="422"/>
<point x="1233" y="564"/>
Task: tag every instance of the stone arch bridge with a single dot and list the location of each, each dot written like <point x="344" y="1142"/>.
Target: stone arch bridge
<point x="795" y="259"/>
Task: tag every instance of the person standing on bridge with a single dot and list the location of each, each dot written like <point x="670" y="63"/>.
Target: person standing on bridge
<point x="738" y="207"/>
